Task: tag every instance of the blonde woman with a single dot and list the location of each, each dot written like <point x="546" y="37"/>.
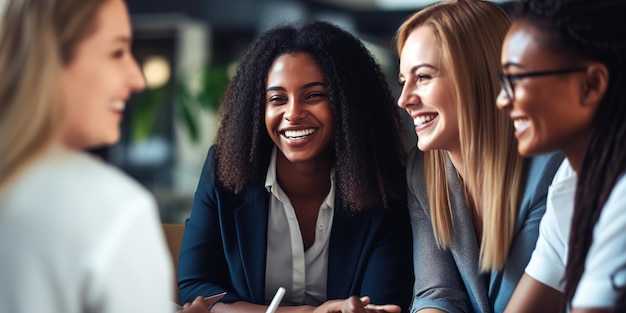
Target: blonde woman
<point x="475" y="203"/>
<point x="76" y="235"/>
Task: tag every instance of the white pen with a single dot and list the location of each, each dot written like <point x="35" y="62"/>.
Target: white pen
<point x="276" y="300"/>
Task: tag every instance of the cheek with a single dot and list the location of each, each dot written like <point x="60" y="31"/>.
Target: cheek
<point x="539" y="105"/>
<point x="326" y="115"/>
<point x="270" y="119"/>
<point x="76" y="100"/>
<point x="448" y="109"/>
<point x="88" y="96"/>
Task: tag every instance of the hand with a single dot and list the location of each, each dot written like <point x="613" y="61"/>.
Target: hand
<point x="197" y="306"/>
<point x="379" y="308"/>
<point x="356" y="305"/>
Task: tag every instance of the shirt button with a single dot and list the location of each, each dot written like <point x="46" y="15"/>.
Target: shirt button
<point x="320" y="226"/>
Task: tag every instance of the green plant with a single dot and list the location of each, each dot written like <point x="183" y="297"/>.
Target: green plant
<point x="187" y="101"/>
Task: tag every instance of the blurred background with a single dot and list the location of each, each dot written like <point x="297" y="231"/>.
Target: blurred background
<point x="188" y="49"/>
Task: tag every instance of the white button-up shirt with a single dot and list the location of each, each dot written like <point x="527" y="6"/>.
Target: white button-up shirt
<point x="301" y="273"/>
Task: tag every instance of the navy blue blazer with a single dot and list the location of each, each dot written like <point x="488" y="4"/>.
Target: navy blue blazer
<point x="224" y="248"/>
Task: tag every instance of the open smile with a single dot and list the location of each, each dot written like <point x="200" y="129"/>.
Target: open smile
<point x="521" y="124"/>
<point x="298" y="134"/>
<point x="423" y="119"/>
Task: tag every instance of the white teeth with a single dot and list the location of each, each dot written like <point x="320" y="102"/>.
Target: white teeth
<point x="299" y="133"/>
<point x="423" y="119"/>
<point x="521" y="124"/>
<point x="118" y="105"/>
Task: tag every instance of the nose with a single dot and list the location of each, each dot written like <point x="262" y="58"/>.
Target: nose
<point x="407" y="97"/>
<point x="136" y="80"/>
<point x="503" y="102"/>
<point x="294" y="110"/>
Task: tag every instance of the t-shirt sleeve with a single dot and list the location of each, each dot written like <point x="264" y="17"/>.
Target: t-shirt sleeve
<point x="547" y="262"/>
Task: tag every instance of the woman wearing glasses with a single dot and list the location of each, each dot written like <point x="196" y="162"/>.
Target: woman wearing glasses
<point x="563" y="88"/>
<point x="475" y="203"/>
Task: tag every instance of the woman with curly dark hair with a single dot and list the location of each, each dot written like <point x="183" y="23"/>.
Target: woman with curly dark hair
<point x="304" y="186"/>
<point x="564" y="84"/>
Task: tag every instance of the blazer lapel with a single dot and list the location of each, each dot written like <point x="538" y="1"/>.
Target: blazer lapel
<point x="347" y="243"/>
<point x="251" y="227"/>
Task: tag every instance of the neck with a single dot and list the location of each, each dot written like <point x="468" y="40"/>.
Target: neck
<point x="456" y="157"/>
<point x="310" y="179"/>
<point x="575" y="152"/>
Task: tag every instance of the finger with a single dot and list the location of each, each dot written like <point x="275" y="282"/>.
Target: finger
<point x="353" y="304"/>
<point x="388" y="308"/>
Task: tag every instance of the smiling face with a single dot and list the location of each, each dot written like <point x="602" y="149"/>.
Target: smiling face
<point x="427" y="93"/>
<point x="99" y="79"/>
<point x="298" y="115"/>
<point x="547" y="111"/>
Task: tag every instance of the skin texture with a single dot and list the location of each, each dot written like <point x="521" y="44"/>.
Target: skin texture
<point x="199" y="305"/>
<point x="103" y="72"/>
<point x="367" y="162"/>
<point x="550" y="112"/>
<point x="352" y="304"/>
<point x="99" y="79"/>
<point x="297" y="99"/>
<point x="297" y="103"/>
<point x="426" y="92"/>
<point x="532" y="296"/>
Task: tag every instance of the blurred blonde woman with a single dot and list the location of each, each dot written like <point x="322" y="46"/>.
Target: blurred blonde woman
<point x="76" y="235"/>
<point x="475" y="204"/>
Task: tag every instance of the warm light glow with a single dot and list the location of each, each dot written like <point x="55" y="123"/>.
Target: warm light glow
<point x="157" y="71"/>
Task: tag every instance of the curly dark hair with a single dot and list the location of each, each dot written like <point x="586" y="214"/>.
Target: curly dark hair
<point x="366" y="146"/>
<point x="589" y="30"/>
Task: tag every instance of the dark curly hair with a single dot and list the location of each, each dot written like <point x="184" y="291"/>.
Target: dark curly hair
<point x="589" y="30"/>
<point x="366" y="145"/>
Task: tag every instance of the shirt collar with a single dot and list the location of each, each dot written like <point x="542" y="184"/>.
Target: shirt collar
<point x="272" y="186"/>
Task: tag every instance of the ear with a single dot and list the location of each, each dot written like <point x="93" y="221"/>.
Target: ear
<point x="595" y="84"/>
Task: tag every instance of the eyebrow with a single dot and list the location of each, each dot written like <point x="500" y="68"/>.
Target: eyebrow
<point x="511" y="64"/>
<point x="417" y="67"/>
<point x="306" y="86"/>
<point x="123" y="39"/>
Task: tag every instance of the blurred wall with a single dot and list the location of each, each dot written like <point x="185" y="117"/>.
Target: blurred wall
<point x="2" y="5"/>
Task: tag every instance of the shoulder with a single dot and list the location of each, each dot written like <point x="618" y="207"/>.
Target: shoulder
<point x="614" y="206"/>
<point x="544" y="166"/>
<point x="102" y="182"/>
<point x="415" y="171"/>
<point x="415" y="160"/>
<point x="209" y="169"/>
<point x="540" y="172"/>
<point x="79" y="186"/>
<point x="605" y="266"/>
<point x="75" y="202"/>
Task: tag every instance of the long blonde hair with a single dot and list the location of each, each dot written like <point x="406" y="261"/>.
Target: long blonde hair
<point x="37" y="38"/>
<point x="471" y="33"/>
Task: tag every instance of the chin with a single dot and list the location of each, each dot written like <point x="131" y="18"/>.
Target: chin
<point x="424" y="146"/>
<point x="110" y="140"/>
<point x="529" y="150"/>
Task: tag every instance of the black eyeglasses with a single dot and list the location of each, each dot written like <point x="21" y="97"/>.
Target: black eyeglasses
<point x="507" y="80"/>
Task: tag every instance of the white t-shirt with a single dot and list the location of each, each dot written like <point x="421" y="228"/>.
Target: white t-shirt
<point x="77" y="235"/>
<point x="606" y="260"/>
